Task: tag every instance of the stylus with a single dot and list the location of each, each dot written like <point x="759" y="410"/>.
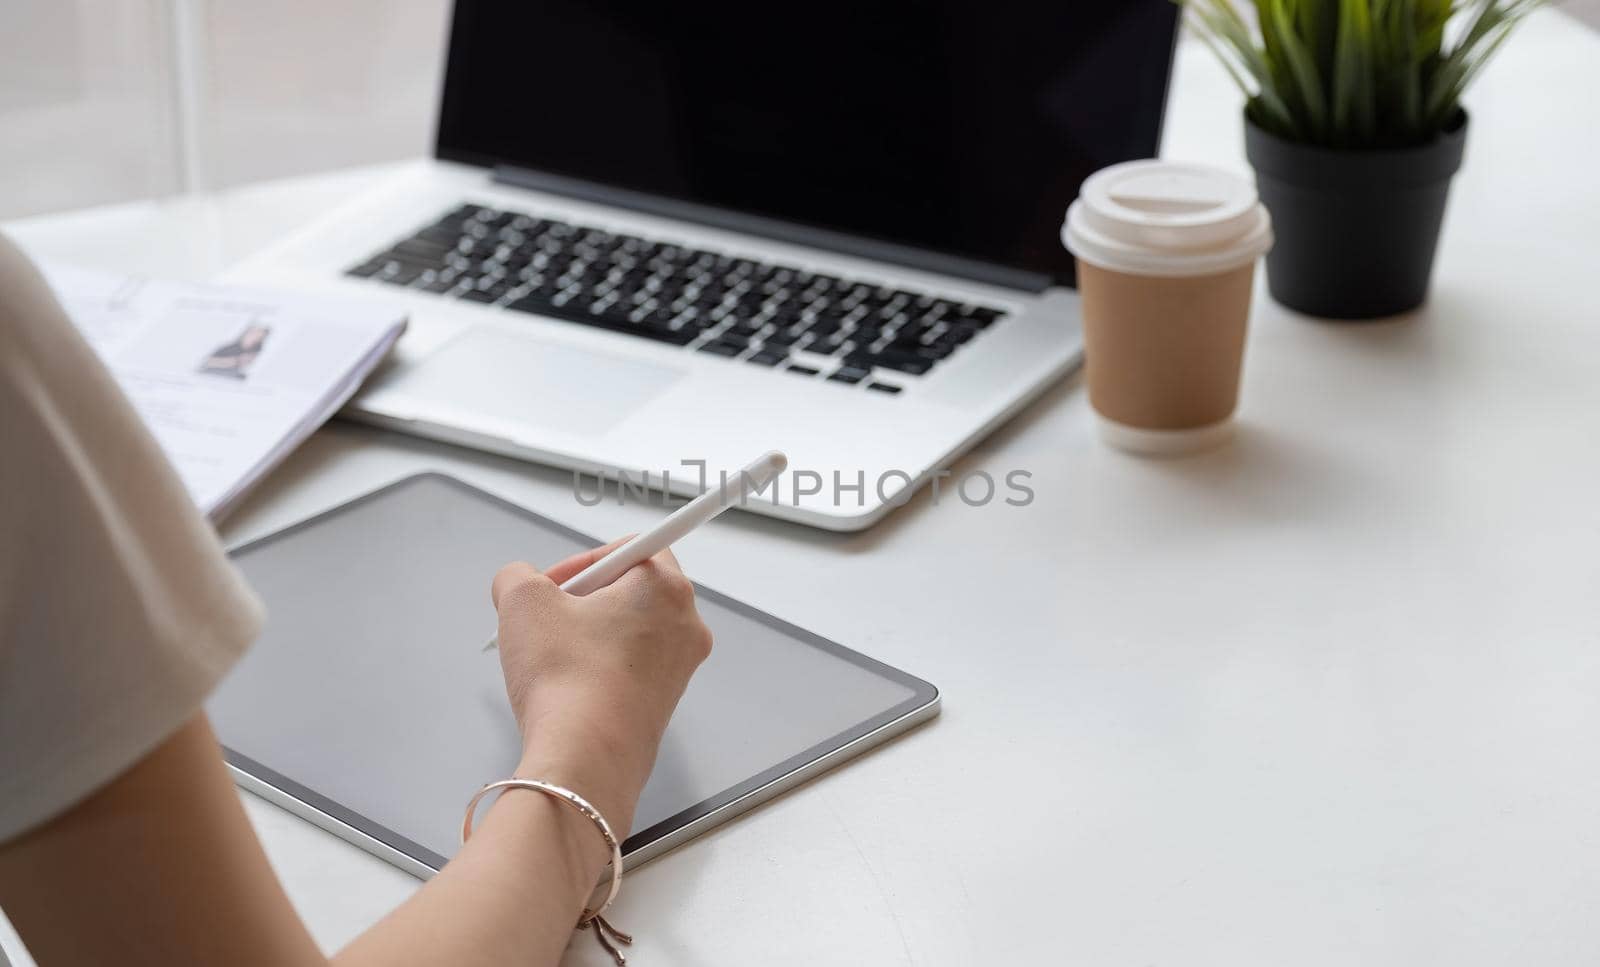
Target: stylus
<point x="734" y="490"/>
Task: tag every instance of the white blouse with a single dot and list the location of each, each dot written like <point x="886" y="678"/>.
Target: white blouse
<point x="119" y="611"/>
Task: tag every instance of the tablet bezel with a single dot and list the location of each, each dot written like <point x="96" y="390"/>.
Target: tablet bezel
<point x="643" y="845"/>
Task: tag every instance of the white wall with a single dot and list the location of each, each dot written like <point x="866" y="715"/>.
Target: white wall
<point x="291" y="86"/>
<point x="91" y="94"/>
<point x="86" y="108"/>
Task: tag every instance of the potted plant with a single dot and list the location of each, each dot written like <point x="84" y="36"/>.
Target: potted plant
<point x="1354" y="127"/>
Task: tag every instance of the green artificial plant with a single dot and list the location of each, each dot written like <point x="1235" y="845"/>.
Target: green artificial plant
<point x="1355" y="73"/>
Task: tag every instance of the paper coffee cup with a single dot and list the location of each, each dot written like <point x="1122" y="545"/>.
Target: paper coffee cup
<point x="1166" y="257"/>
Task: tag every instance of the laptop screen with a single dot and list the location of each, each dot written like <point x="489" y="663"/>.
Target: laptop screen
<point x="955" y="127"/>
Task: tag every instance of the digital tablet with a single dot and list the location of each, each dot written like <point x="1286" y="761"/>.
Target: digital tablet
<point x="369" y="706"/>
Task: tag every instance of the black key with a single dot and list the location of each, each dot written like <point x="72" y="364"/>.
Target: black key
<point x="768" y="357"/>
<point x="419" y="261"/>
<point x="606" y="307"/>
<point x="692" y="324"/>
<point x="444" y="233"/>
<point x="721" y="348"/>
<point x="490" y="274"/>
<point x="802" y="370"/>
<point x="825" y="325"/>
<point x="985" y="315"/>
<point x="484" y="295"/>
<point x="689" y="315"/>
<point x="883" y="387"/>
<point x="890" y="359"/>
<point x="932" y="353"/>
<point x="366" y="269"/>
<point x="570" y="312"/>
<point x="959" y="333"/>
<point x="399" y="273"/>
<point x="780" y="338"/>
<point x="423" y="248"/>
<point x="849" y="374"/>
<point x="442" y="284"/>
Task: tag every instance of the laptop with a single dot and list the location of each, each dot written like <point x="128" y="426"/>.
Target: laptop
<point x="660" y="239"/>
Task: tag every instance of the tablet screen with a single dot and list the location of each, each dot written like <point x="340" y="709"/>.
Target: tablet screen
<point x="369" y="695"/>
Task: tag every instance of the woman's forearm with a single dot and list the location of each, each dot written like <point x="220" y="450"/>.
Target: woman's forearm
<point x="512" y="895"/>
<point x="161" y="866"/>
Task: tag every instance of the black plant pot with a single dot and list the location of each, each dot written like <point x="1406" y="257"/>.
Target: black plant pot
<point x="1355" y="230"/>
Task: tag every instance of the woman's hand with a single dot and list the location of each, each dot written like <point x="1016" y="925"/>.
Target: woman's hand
<point x="593" y="680"/>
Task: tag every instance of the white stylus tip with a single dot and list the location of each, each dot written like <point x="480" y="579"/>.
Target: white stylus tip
<point x="769" y="466"/>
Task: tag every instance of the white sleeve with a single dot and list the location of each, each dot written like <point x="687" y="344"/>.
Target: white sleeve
<point x="119" y="610"/>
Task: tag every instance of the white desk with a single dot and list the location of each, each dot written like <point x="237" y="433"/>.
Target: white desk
<point x="1330" y="695"/>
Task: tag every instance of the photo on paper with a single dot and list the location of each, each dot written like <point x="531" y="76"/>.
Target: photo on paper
<point x="233" y="359"/>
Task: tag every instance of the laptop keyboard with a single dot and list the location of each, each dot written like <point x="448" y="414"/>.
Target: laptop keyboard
<point x="810" y="324"/>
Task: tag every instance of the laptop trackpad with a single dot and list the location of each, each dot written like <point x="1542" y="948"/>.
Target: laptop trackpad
<point x="506" y="377"/>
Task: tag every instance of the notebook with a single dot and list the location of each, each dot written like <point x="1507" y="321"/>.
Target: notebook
<point x="229" y="380"/>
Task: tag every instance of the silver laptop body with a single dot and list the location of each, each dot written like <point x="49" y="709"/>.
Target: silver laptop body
<point x="872" y="361"/>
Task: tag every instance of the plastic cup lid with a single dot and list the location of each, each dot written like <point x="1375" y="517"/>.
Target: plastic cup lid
<point x="1167" y="218"/>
